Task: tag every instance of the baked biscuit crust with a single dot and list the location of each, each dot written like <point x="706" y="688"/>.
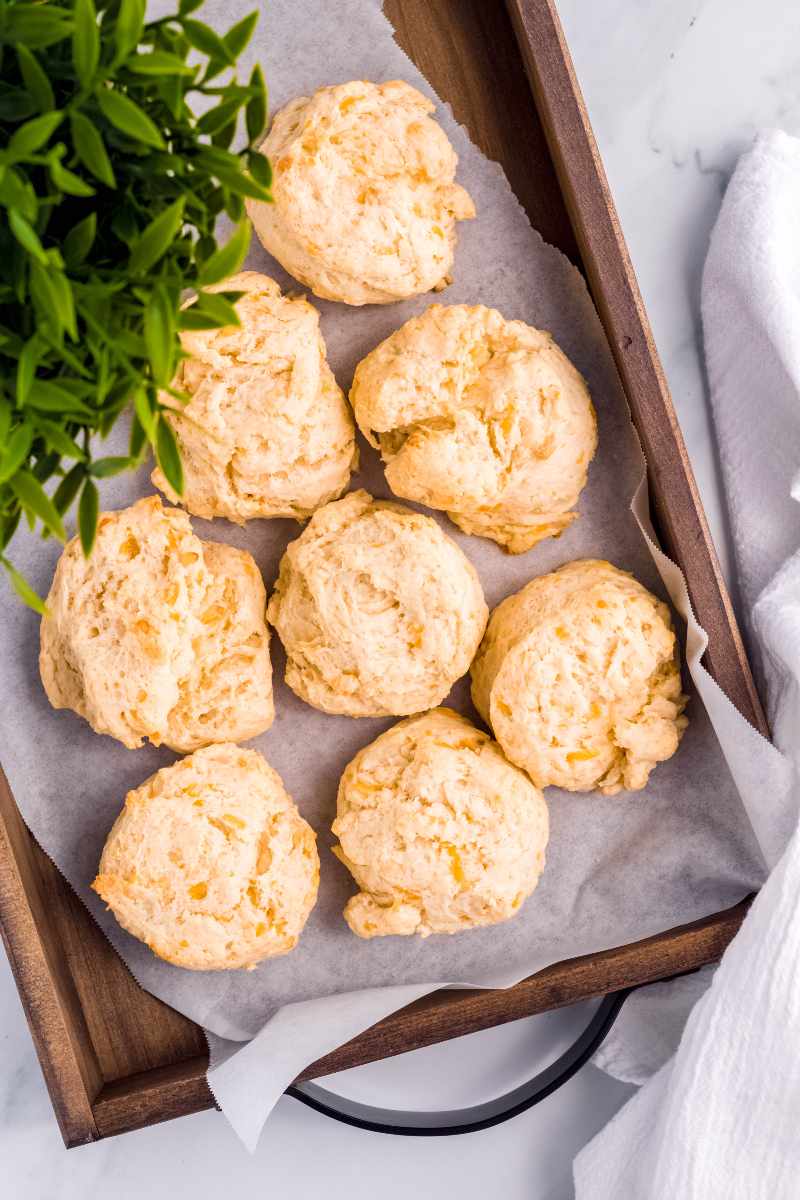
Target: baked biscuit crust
<point x="579" y="679"/>
<point x="378" y="611"/>
<point x="482" y="417"/>
<point x="439" y="830"/>
<point x="158" y="634"/>
<point x="210" y="863"/>
<point x="365" y="203"/>
<point x="267" y="431"/>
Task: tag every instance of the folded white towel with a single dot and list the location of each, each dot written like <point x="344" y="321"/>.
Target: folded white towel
<point x="720" y="1118"/>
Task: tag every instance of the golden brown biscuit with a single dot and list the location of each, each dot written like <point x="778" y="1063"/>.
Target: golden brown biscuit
<point x="482" y="417"/>
<point x="364" y="200"/>
<point x="439" y="830"/>
<point x="158" y="635"/>
<point x="378" y="611"/>
<point x="210" y="863"/>
<point x="578" y="677"/>
<point x="267" y="431"/>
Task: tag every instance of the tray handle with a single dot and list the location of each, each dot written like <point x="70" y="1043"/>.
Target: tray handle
<point x="480" y="1116"/>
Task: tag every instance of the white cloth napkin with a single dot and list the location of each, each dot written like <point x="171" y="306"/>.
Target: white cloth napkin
<point x="719" y="1118"/>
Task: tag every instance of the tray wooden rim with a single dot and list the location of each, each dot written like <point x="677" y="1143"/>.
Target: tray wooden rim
<point x="88" y="1109"/>
<point x="182" y="1088"/>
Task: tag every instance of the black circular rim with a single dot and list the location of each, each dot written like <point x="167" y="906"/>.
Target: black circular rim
<point x="452" y="1122"/>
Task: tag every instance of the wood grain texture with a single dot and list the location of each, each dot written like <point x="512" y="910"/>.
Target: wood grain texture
<point x="45" y="985"/>
<point x="114" y="1057"/>
<point x="681" y="521"/>
<point x="158" y="1095"/>
<point x="468" y="52"/>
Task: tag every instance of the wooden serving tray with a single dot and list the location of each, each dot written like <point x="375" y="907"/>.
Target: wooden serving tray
<point x="113" y="1056"/>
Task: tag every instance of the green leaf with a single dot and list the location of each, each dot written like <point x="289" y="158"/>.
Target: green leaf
<point x="18" y="193"/>
<point x="69" y="487"/>
<point x="220" y="116"/>
<point x="128" y="30"/>
<point x="145" y="414"/>
<point x="128" y="118"/>
<point x="234" y="206"/>
<point x="224" y="137"/>
<point x="44" y="296"/>
<point x="26" y="236"/>
<point x="35" y="79"/>
<point x="212" y="158"/>
<point x="65" y="302"/>
<point x="85" y="41"/>
<point x="52" y="293"/>
<point x="242" y="185"/>
<point x="131" y="343"/>
<point x="79" y="240"/>
<point x="90" y="149"/>
<point x="88" y="510"/>
<point x="15" y="105"/>
<point x="195" y="318"/>
<point x="80" y="366"/>
<point x="33" y="134"/>
<point x="58" y="439"/>
<point x="168" y="456"/>
<point x="213" y="305"/>
<point x="230" y="294"/>
<point x="99" y="277"/>
<point x="124" y="224"/>
<point x="203" y="38"/>
<point x="256" y="111"/>
<point x="46" y="464"/>
<point x="77" y="388"/>
<point x="156" y="238"/>
<point x="102" y="468"/>
<point x="228" y="259"/>
<point x="8" y="526"/>
<point x="67" y="181"/>
<point x="138" y="441"/>
<point x="159" y="335"/>
<point x="181" y="397"/>
<point x="35" y="499"/>
<point x="171" y="91"/>
<point x="26" y="368"/>
<point x="15" y="451"/>
<point x="213" y="68"/>
<point x="46" y="396"/>
<point x="5" y="423"/>
<point x="23" y="588"/>
<point x="230" y="91"/>
<point x="158" y="63"/>
<point x="205" y="247"/>
<point x="37" y="25"/>
<point x="260" y="168"/>
<point x="239" y="35"/>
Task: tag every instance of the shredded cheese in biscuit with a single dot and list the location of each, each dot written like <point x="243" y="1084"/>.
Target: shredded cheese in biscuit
<point x="484" y="418"/>
<point x="266" y="431"/>
<point x="439" y="830"/>
<point x="579" y="679"/>
<point x="221" y="886"/>
<point x="158" y="635"/>
<point x="365" y="203"/>
<point x="378" y="611"/>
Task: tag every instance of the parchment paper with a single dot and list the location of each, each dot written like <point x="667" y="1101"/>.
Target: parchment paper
<point x="618" y="868"/>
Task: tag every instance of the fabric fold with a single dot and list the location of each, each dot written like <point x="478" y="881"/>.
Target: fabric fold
<point x="718" y="1119"/>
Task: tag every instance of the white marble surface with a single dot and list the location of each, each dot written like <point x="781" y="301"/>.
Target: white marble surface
<point x="675" y="91"/>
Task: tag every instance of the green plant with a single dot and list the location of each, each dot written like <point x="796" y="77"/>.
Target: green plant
<point x="110" y="187"/>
